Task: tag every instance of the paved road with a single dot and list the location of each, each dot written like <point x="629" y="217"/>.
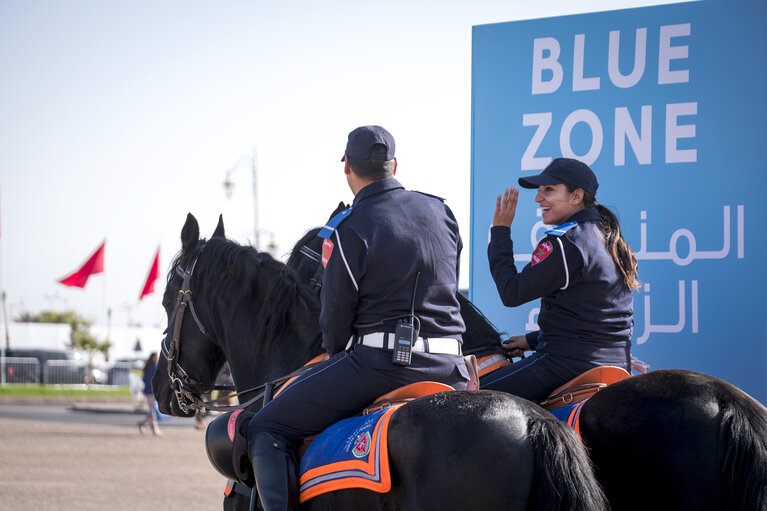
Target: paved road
<point x="117" y="414"/>
<point x="60" y="457"/>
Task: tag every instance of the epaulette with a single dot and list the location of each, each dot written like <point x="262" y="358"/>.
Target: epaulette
<point x="430" y="195"/>
<point x="560" y="230"/>
<point x="327" y="231"/>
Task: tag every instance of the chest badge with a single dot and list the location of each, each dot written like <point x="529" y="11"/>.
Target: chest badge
<point x="541" y="253"/>
<point x="327" y="249"/>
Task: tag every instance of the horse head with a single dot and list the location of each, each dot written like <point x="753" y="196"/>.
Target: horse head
<point x="190" y="357"/>
<point x="222" y="298"/>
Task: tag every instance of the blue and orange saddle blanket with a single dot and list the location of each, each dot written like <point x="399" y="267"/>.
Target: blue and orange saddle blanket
<point x="352" y="453"/>
<point x="570" y="415"/>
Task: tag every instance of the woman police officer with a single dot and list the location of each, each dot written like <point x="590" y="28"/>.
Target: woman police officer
<point x="583" y="271"/>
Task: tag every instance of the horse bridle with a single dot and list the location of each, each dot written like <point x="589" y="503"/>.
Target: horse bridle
<point x="187" y="390"/>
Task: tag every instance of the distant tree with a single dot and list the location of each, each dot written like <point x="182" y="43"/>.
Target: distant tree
<point x="80" y="336"/>
<point x="82" y="339"/>
<point x="67" y="317"/>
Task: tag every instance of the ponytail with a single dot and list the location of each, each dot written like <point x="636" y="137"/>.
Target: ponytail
<point x="616" y="245"/>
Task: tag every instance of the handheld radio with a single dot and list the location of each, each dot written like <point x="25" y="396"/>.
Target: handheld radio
<point x="406" y="334"/>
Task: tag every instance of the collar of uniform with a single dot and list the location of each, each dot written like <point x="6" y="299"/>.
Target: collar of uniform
<point x="585" y="215"/>
<point x="376" y="187"/>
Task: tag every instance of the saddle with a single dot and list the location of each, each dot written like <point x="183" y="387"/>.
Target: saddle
<point x="404" y="394"/>
<point x="423" y="388"/>
<point x="584" y="386"/>
<point x="226" y="438"/>
<point x="411" y="391"/>
<point x="576" y="390"/>
<point x="353" y="453"/>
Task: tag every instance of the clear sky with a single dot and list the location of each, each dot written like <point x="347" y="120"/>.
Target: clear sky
<point x="118" y="118"/>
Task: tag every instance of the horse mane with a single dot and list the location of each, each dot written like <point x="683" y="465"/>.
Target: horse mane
<point x="299" y="261"/>
<point x="240" y="278"/>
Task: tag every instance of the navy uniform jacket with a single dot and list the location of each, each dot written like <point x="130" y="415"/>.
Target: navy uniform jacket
<point x="583" y="296"/>
<point x="372" y="260"/>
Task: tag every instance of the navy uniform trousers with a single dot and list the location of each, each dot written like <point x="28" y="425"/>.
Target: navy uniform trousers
<point x="344" y="385"/>
<point x="534" y="377"/>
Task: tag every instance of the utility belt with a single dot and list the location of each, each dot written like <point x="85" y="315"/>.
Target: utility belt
<point x="386" y="340"/>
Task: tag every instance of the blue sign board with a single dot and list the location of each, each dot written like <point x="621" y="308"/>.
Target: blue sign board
<point x="668" y="105"/>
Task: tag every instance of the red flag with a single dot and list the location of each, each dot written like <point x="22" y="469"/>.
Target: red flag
<point x="154" y="273"/>
<point x="95" y="264"/>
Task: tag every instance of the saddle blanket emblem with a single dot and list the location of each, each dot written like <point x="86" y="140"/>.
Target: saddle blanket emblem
<point x="352" y="453"/>
<point x="542" y="252"/>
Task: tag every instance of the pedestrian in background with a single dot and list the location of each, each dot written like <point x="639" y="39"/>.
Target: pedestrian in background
<point x="150" y="420"/>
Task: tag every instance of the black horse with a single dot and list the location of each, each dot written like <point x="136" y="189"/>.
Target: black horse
<point x="461" y="450"/>
<point x="668" y="439"/>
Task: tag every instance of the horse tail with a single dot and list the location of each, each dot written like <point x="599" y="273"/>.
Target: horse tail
<point x="563" y="476"/>
<point x="743" y="453"/>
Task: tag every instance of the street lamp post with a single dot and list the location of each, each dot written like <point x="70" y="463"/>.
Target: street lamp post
<point x="256" y="230"/>
<point x="228" y="187"/>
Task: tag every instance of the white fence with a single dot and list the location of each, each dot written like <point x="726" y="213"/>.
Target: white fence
<point x="20" y="370"/>
<point x="28" y="370"/>
<point x="64" y="372"/>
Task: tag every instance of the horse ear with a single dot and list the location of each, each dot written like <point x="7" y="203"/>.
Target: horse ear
<point x="219" y="232"/>
<point x="341" y="206"/>
<point x="190" y="233"/>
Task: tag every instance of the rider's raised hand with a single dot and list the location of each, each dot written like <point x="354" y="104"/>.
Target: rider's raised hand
<point x="505" y="207"/>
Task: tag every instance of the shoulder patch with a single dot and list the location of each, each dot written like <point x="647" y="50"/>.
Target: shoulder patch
<point x="327" y="249"/>
<point x="541" y="252"/>
<point x="560" y="230"/>
<point x="327" y="231"/>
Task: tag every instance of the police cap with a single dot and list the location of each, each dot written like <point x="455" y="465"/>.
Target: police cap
<point x="564" y="170"/>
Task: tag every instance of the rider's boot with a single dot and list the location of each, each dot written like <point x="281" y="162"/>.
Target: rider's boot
<point x="274" y="467"/>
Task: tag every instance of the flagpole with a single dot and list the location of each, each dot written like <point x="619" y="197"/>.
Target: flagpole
<point x="104" y="308"/>
<point x="2" y="290"/>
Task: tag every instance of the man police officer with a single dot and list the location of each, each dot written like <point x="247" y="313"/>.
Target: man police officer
<point x="391" y="278"/>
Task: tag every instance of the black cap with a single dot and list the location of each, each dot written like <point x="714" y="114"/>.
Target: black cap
<point x="362" y="140"/>
<point x="564" y="170"/>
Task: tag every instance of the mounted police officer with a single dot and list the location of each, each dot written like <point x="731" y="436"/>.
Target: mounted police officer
<point x="584" y="273"/>
<point x="389" y="313"/>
